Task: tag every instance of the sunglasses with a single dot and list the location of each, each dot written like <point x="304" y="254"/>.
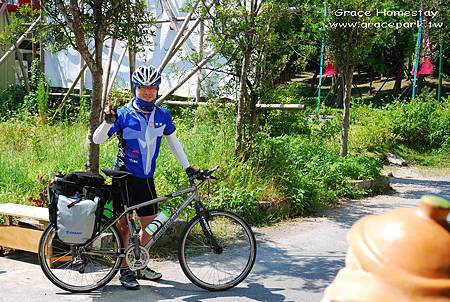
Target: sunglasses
<point x="146" y="87"/>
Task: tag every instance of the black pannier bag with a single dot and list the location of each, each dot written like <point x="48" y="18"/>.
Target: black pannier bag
<point x="76" y="202"/>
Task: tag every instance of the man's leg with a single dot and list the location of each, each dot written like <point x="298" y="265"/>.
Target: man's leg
<point x="147" y="273"/>
<point x="124" y="232"/>
<point x="145" y="221"/>
<point x="127" y="277"/>
<point x="146" y="216"/>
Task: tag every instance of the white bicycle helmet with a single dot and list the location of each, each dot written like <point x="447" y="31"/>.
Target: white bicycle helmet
<point x="146" y="76"/>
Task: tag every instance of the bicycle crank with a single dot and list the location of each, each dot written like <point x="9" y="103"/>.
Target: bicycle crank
<point x="133" y="262"/>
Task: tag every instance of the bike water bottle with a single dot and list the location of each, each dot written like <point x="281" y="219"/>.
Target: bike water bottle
<point x="162" y="217"/>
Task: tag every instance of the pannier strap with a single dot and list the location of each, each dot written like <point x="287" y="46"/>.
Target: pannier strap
<point x="74" y="203"/>
<point x="116" y="173"/>
<point x="60" y="180"/>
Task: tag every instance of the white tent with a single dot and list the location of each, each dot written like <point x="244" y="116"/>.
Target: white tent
<point x="63" y="67"/>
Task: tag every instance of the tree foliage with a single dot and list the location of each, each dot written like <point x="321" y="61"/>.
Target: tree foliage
<point x="256" y="39"/>
<point x="81" y="24"/>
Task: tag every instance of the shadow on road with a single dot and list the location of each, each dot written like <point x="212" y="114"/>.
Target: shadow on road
<point x="406" y="188"/>
<point x="186" y="292"/>
<point x="312" y="271"/>
<point x="23" y="256"/>
<point x="346" y="219"/>
<point x="422" y="187"/>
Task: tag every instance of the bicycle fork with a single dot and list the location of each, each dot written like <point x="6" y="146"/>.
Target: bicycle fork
<point x="205" y="216"/>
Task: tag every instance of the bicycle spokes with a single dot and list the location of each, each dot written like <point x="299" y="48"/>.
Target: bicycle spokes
<point x="218" y="254"/>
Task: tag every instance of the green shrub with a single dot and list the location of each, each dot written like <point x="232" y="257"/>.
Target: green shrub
<point x="11" y="100"/>
<point x="440" y="124"/>
<point x="243" y="202"/>
<point x="309" y="172"/>
<point x="423" y="123"/>
<point x="279" y="122"/>
<point x="371" y="129"/>
<point x="412" y="122"/>
<point x="42" y="94"/>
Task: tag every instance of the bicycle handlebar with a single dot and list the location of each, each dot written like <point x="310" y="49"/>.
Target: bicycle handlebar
<point x="211" y="171"/>
<point x="204" y="174"/>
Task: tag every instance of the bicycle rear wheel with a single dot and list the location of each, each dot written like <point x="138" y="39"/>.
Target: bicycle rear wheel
<point x="222" y="266"/>
<point x="80" y="268"/>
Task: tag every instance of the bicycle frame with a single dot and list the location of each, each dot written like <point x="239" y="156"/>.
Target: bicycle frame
<point x="167" y="224"/>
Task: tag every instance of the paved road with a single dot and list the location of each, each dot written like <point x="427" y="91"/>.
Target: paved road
<point x="296" y="260"/>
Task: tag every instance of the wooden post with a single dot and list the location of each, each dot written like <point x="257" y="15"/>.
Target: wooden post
<point x="171" y="53"/>
<point x="187" y="77"/>
<point x="33" y="44"/>
<point x="70" y="90"/>
<point x="180" y="30"/>
<point x="20" y="40"/>
<point x="200" y="56"/>
<point x="41" y="58"/>
<point x="81" y="77"/>
<point x="113" y="76"/>
<point x="186" y="36"/>
<point x="106" y="75"/>
<point x="132" y="63"/>
<point x="19" y="57"/>
<point x="259" y="106"/>
<point x="4" y="6"/>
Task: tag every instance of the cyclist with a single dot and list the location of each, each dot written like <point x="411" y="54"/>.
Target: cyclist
<point x="139" y="127"/>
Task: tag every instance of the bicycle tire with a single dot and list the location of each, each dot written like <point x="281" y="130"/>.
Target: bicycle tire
<point x="49" y="233"/>
<point x="217" y="221"/>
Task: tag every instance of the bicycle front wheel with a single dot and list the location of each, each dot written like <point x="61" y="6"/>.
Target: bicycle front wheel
<point x="80" y="268"/>
<point x="221" y="262"/>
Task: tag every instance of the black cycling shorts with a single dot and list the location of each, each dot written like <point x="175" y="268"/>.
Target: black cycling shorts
<point x="139" y="190"/>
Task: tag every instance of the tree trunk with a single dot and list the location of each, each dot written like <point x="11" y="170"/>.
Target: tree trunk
<point x="96" y="100"/>
<point x="398" y="79"/>
<point x="314" y="80"/>
<point x="346" y="116"/>
<point x="241" y="103"/>
<point x="398" y="66"/>
<point x="333" y="85"/>
<point x="420" y="83"/>
<point x="253" y="124"/>
<point x="132" y="62"/>
<point x="92" y="164"/>
<point x="339" y="91"/>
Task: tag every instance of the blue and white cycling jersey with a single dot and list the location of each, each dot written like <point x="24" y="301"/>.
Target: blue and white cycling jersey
<point x="140" y="136"/>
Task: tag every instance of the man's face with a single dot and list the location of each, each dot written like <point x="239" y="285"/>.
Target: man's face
<point x="147" y="93"/>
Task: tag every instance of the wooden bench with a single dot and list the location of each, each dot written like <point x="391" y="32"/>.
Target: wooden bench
<point x="18" y="237"/>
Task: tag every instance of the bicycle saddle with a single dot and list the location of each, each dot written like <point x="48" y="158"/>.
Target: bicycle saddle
<point x="116" y="173"/>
